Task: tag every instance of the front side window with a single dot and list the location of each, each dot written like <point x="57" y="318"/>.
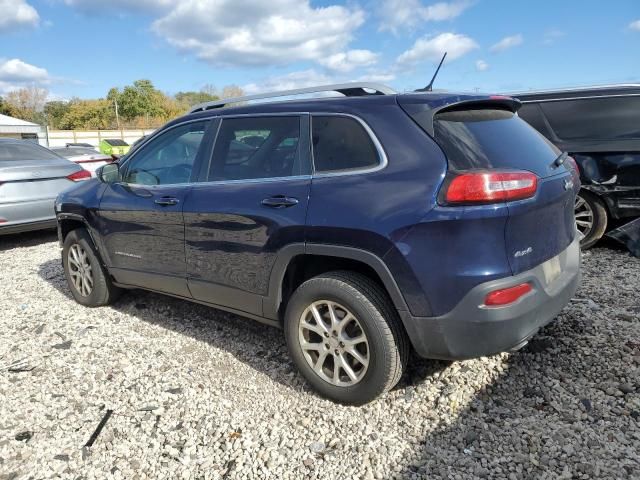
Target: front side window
<point x="341" y="144"/>
<point x="168" y="158"/>
<point x="258" y="147"/>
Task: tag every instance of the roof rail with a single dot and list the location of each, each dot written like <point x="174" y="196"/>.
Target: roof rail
<point x="575" y="89"/>
<point x="352" y="89"/>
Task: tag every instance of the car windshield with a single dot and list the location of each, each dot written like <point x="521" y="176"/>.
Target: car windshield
<point x="25" y="151"/>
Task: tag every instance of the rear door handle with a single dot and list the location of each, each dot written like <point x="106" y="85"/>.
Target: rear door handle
<point x="279" y="201"/>
<point x="166" y="201"/>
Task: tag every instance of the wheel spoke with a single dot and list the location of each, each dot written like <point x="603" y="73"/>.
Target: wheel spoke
<point x="332" y="315"/>
<point x="583" y="223"/>
<point x="322" y="357"/>
<point x="584" y="214"/>
<point x="358" y="356"/>
<point x="348" y="370"/>
<point x="318" y="318"/>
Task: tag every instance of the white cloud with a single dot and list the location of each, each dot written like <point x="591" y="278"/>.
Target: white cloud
<point x="312" y="78"/>
<point x="348" y="61"/>
<point x="456" y="45"/>
<point x="289" y="81"/>
<point x="255" y="32"/>
<point x="551" y="36"/>
<point x="15" y="14"/>
<point x="14" y="74"/>
<point x="395" y="14"/>
<point x="507" y="42"/>
<point x="635" y="25"/>
<point x="93" y="6"/>
<point x="482" y="66"/>
<point x="15" y="70"/>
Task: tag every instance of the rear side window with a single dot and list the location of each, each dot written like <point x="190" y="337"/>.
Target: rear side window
<point x="25" y="151"/>
<point x="341" y="144"/>
<point x="595" y="118"/>
<point x="258" y="147"/>
<point x="491" y="138"/>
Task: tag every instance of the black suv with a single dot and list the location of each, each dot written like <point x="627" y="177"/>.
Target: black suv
<point x="600" y="128"/>
<point x="363" y="226"/>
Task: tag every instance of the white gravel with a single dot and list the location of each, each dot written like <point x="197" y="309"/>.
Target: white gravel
<point x="197" y="393"/>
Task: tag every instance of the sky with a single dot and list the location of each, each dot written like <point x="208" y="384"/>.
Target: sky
<point x="81" y="48"/>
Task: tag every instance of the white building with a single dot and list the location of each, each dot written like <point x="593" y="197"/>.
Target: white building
<point x="15" y="128"/>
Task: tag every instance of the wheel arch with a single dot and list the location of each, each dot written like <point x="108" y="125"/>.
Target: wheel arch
<point x="298" y="262"/>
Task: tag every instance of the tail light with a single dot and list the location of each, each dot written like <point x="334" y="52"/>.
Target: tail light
<point x="490" y="187"/>
<point x="79" y="176"/>
<point x="573" y="166"/>
<point x="3" y="220"/>
<point x="505" y="296"/>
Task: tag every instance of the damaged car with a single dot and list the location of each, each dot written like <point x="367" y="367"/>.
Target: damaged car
<point x="600" y="128"/>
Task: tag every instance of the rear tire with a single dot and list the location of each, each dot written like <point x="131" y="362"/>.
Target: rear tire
<point x="88" y="280"/>
<point x="591" y="218"/>
<point x="365" y="342"/>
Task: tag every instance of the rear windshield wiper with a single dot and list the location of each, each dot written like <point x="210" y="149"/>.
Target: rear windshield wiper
<point x="560" y="160"/>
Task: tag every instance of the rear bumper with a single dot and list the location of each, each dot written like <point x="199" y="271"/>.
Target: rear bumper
<point x="473" y="330"/>
<point x="26" y="216"/>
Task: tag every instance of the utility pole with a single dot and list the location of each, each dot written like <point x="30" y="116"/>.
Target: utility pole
<point x="115" y="101"/>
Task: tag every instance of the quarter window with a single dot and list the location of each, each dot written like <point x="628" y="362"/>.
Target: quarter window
<point x="258" y="147"/>
<point x="341" y="144"/>
<point x="169" y="158"/>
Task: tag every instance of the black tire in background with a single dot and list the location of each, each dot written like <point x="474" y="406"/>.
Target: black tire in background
<point x="388" y="346"/>
<point x="103" y="292"/>
<point x="591" y="218"/>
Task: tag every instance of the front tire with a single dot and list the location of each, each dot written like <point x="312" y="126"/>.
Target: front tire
<point x="88" y="281"/>
<point x="591" y="218"/>
<point x="345" y="337"/>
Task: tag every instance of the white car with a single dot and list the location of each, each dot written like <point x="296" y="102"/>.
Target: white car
<point x="86" y="157"/>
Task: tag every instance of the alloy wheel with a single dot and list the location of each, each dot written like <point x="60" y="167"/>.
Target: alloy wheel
<point x="333" y="343"/>
<point x="80" y="270"/>
<point x="584" y="217"/>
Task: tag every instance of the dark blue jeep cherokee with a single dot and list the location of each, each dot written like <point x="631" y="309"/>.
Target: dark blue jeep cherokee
<point x="364" y="226"/>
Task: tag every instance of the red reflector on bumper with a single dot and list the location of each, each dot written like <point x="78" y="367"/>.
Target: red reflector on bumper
<point x="506" y="296"/>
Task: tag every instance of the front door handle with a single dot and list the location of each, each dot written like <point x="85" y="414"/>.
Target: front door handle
<point x="279" y="201"/>
<point x="166" y="201"/>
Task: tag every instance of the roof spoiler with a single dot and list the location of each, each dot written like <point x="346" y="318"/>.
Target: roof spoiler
<point x="424" y="113"/>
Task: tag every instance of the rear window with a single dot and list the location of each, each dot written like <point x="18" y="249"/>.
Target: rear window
<point x="341" y="144"/>
<point x="26" y="151"/>
<point x="491" y="138"/>
<point x="594" y="118"/>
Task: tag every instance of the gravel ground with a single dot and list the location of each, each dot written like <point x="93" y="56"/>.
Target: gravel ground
<point x="196" y="393"/>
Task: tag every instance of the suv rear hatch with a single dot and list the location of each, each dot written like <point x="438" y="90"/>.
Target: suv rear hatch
<point x="481" y="135"/>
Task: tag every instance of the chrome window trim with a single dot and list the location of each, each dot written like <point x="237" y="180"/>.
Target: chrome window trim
<point x="252" y="180"/>
<point x="383" y="161"/>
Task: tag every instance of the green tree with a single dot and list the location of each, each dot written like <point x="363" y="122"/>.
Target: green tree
<point x="189" y="99"/>
<point x="6" y="108"/>
<point x="88" y="114"/>
<point x="141" y="99"/>
<point x="55" y="112"/>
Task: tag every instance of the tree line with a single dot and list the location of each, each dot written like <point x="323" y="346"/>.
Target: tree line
<point x="139" y="105"/>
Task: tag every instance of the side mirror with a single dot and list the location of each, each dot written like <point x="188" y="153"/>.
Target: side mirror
<point x="109" y="173"/>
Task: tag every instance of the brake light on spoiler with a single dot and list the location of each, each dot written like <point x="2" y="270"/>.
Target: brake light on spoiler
<point x="490" y="186"/>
